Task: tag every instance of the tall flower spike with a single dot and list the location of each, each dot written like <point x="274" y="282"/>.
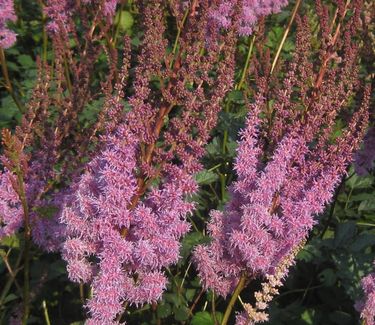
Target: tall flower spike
<point x="283" y="183"/>
<point x="128" y="210"/>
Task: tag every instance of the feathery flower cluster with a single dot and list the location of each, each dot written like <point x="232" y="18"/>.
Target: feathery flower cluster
<point x="60" y="12"/>
<point x="365" y="158"/>
<point x="367" y="306"/>
<point x="243" y="14"/>
<point x="7" y="37"/>
<point x="129" y="264"/>
<point x="274" y="200"/>
<point x="11" y="215"/>
<point x="256" y="314"/>
<point x="128" y="211"/>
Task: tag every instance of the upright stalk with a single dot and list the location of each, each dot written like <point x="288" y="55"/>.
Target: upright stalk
<point x="8" y="84"/>
<point x="247" y="63"/>
<point x="240" y="286"/>
<point x="27" y="237"/>
<point x="286" y="32"/>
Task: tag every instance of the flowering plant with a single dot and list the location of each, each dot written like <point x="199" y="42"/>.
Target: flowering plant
<point x="138" y="113"/>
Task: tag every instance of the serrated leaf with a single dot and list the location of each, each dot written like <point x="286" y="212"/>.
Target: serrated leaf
<point x="357" y="182"/>
<point x="202" y="318"/>
<point x="328" y="277"/>
<point x="9" y="298"/>
<point x="25" y="61"/>
<point x="362" y="241"/>
<point x="206" y="177"/>
<point x="189" y="294"/>
<point x="181" y="313"/>
<point x="367" y="205"/>
<point x="236" y="96"/>
<point x="344" y="232"/>
<point x="125" y="20"/>
<point x="11" y="241"/>
<point x="164" y="310"/>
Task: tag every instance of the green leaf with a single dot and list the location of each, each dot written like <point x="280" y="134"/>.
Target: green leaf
<point x="48" y="211"/>
<point x="328" y="277"/>
<point x="125" y="20"/>
<point x="367" y="205"/>
<point x="357" y="182"/>
<point x="11" y="241"/>
<point x="25" y="61"/>
<point x="206" y="177"/>
<point x="362" y="241"/>
<point x="345" y="232"/>
<point x="202" y="318"/>
<point x="308" y="316"/>
<point x="10" y="297"/>
<point x="236" y="96"/>
<point x="181" y="313"/>
<point x="164" y="310"/>
<point x="341" y="318"/>
<point x="190" y="294"/>
<point x="192" y="239"/>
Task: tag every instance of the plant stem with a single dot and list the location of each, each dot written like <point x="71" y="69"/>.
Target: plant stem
<point x="196" y="302"/>
<point x="247" y="63"/>
<point x="45" y="311"/>
<point x="179" y="30"/>
<point x="27" y="236"/>
<point x="82" y="293"/>
<point x="240" y="286"/>
<point x="214" y="308"/>
<point x="286" y="32"/>
<point x="8" y="84"/>
<point x="12" y="278"/>
<point x="239" y="86"/>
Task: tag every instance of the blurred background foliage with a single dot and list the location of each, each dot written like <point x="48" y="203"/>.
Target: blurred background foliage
<point x="322" y="287"/>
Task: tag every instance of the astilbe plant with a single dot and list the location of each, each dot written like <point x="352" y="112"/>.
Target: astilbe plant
<point x="288" y="165"/>
<point x="114" y="197"/>
<point x="128" y="211"/>
<point x="7" y="37"/>
<point x="48" y="150"/>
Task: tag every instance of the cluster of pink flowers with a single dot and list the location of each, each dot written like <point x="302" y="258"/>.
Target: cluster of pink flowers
<point x="272" y="205"/>
<point x="60" y="11"/>
<point x="11" y="216"/>
<point x="367" y="306"/>
<point x="130" y="262"/>
<point x="243" y="15"/>
<point x="126" y="214"/>
<point x="47" y="231"/>
<point x="7" y="37"/>
<point x="285" y="178"/>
